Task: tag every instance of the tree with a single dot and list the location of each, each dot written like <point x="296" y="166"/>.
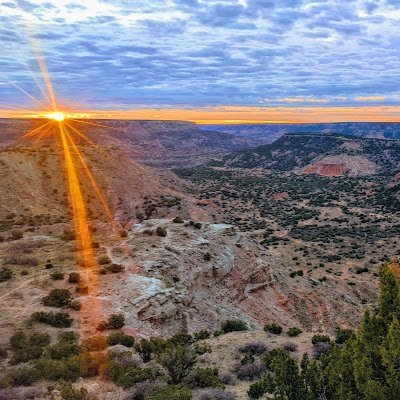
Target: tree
<point x="178" y="361"/>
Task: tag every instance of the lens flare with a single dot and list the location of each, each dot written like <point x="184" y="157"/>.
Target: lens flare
<point x="57" y="116"/>
<point x="60" y="127"/>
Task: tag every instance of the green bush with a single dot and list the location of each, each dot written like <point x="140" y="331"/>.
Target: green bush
<point x="177" y="220"/>
<point x="59" y="370"/>
<point x="294" y="331"/>
<point x="203" y="378"/>
<point x="161" y="231"/>
<point x="57" y="276"/>
<point x="233" y="325"/>
<point x="202" y="335"/>
<point x="68" y="392"/>
<point x="74" y="277"/>
<point x="62" y="350"/>
<point x="178" y="361"/>
<point x="207" y="256"/>
<point x="145" y="349"/>
<point x="115" y="268"/>
<point x="120" y="337"/>
<point x="129" y="376"/>
<point x="181" y="339"/>
<point x="115" y="321"/>
<point x="273" y="328"/>
<point x="57" y="298"/>
<point x="5" y="274"/>
<point x="25" y="376"/>
<point x="28" y="347"/>
<point x="68" y="337"/>
<point x="171" y="393"/>
<point x="342" y="335"/>
<point x="58" y="320"/>
<point x="320" y="339"/>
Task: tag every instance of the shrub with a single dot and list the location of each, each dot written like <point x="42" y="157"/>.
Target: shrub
<point x="5" y="274"/>
<point x="320" y="348"/>
<point x="115" y="268"/>
<point x="233" y="325"/>
<point x="28" y="347"/>
<point x="68" y="234"/>
<point x="63" y="350"/>
<point x="126" y="377"/>
<point x="141" y="391"/>
<point x="320" y="339"/>
<point x="16" y="235"/>
<point x="202" y="335"/>
<point x="57" y="276"/>
<point x="289" y="346"/>
<point x="75" y="305"/>
<point x="342" y="335"/>
<point x="120" y="337"/>
<point x="294" y="331"/>
<point x="161" y="231"/>
<point x="250" y="372"/>
<point x="115" y="321"/>
<point x="203" y="378"/>
<point x="58" y="320"/>
<point x="49" y="265"/>
<point x="198" y="225"/>
<point x="58" y="298"/>
<point x="74" y="277"/>
<point x="171" y="393"/>
<point x="227" y="378"/>
<point x="104" y="260"/>
<point x="68" y="337"/>
<point x="67" y="392"/>
<point x="214" y="394"/>
<point x="181" y="339"/>
<point x="207" y="256"/>
<point x="56" y="370"/>
<point x="3" y="353"/>
<point x="255" y="348"/>
<point x="178" y="361"/>
<point x="248" y="359"/>
<point x="177" y="220"/>
<point x="24" y="376"/>
<point x="95" y="343"/>
<point x="273" y="328"/>
<point x="145" y="349"/>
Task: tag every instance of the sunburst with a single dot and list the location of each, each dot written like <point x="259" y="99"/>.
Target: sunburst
<point x="60" y="126"/>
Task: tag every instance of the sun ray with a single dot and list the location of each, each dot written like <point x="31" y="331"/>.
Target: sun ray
<point x="29" y="95"/>
<point x="34" y="131"/>
<point x="81" y="134"/>
<point x="93" y="123"/>
<point x="94" y="184"/>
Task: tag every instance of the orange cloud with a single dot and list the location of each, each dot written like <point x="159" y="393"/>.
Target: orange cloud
<point x="249" y="115"/>
<point x="371" y="98"/>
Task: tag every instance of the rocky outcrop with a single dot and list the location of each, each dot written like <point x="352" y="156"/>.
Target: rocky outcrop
<point x="194" y="279"/>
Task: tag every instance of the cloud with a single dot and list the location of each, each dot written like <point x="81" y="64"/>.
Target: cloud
<point x="214" y="52"/>
<point x="370" y="98"/>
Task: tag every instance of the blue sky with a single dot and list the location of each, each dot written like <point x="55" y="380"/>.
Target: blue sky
<point x="122" y="54"/>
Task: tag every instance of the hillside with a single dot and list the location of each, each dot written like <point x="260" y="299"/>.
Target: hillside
<point x="271" y="132"/>
<point x="154" y="143"/>
<point x="324" y="154"/>
<point x="324" y="205"/>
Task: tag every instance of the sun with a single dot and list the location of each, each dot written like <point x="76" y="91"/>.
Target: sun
<point x="56" y="116"/>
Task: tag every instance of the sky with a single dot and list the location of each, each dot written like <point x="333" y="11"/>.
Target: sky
<point x="208" y="61"/>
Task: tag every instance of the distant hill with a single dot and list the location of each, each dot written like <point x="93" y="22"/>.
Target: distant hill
<point x="324" y="154"/>
<point x="155" y="143"/>
<point x="271" y="132"/>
